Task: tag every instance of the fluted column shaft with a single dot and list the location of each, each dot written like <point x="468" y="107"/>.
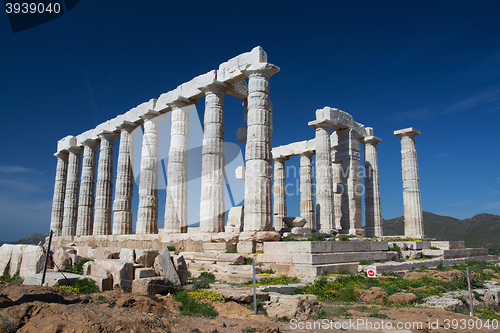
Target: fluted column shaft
<point x="258" y="182"/>
<point x="122" y="206"/>
<point x="337" y="179"/>
<point x="147" y="214"/>
<point x="373" y="208"/>
<point x="57" y="216"/>
<point x="177" y="182"/>
<point x="212" y="206"/>
<point x="351" y="182"/>
<point x="280" y="209"/>
<point x="325" y="218"/>
<point x="414" y="222"/>
<point x="71" y="195"/>
<point x="85" y="222"/>
<point x="306" y="190"/>
<point x="104" y="186"/>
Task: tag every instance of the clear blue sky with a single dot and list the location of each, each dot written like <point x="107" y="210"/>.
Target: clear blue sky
<point x="432" y="65"/>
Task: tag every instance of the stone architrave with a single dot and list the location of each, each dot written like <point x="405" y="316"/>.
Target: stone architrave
<point x="280" y="210"/>
<point x="351" y="182"/>
<point x="212" y="206"/>
<point x="306" y="190"/>
<point x="414" y="221"/>
<point x="72" y="186"/>
<point x="104" y="185"/>
<point x="147" y="214"/>
<point x="177" y="182"/>
<point x="57" y="216"/>
<point x="373" y="208"/>
<point x="124" y="191"/>
<point x="325" y="218"/>
<point x="258" y="173"/>
<point x="85" y="221"/>
<point x="337" y="180"/>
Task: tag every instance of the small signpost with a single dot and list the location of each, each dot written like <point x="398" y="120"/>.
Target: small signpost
<point x="371" y="272"/>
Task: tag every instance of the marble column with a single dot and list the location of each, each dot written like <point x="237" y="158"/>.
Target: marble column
<point x="337" y="180"/>
<point x="373" y="208"/>
<point x="124" y="191"/>
<point x="71" y="195"/>
<point x="177" y="182"/>
<point x="352" y="188"/>
<point x="147" y="214"/>
<point x="414" y="221"/>
<point x="279" y="192"/>
<point x="306" y="190"/>
<point x="57" y="216"/>
<point x="258" y="182"/>
<point x="85" y="221"/>
<point x="104" y="185"/>
<point x="212" y="206"/>
<point x="325" y="218"/>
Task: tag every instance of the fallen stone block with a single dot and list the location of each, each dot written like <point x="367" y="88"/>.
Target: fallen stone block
<point x="33" y="260"/>
<point x="16" y="258"/>
<point x="62" y="259"/>
<point x="146" y="257"/>
<point x="127" y="254"/>
<point x="230" y="258"/>
<point x="181" y="268"/>
<point x="246" y="246"/>
<point x="165" y="267"/>
<point x="240" y="296"/>
<point x="298" y="307"/>
<point x="5" y="254"/>
<point x="122" y="272"/>
<point x="52" y="278"/>
<point x="91" y="268"/>
<point x="105" y="253"/>
<point x="150" y="286"/>
<point x="142" y="273"/>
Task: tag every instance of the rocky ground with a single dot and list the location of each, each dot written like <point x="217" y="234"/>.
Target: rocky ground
<point x="44" y="309"/>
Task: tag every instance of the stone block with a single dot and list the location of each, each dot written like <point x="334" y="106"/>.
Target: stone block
<point x="62" y="259"/>
<point x="5" y="254"/>
<point x="16" y="258"/>
<point x="181" y="268"/>
<point x="317" y="270"/>
<point x="122" y="272"/>
<point x="217" y="247"/>
<point x="230" y="258"/>
<point x="106" y="253"/>
<point x="260" y="236"/>
<point x="283" y="289"/>
<point x="90" y="268"/>
<point x="299" y="307"/>
<point x="51" y="279"/>
<point x="246" y="247"/>
<point x="150" y="286"/>
<point x="141" y="273"/>
<point x="127" y="254"/>
<point x="165" y="267"/>
<point x="448" y="245"/>
<point x="146" y="257"/>
<point x="103" y="283"/>
<point x="33" y="260"/>
<point x="235" y="218"/>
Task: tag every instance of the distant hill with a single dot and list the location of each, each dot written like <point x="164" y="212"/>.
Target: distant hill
<point x="482" y="230"/>
<point x="30" y="239"/>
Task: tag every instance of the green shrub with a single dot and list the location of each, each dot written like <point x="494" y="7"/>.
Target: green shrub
<point x="77" y="268"/>
<point x="247" y="261"/>
<point x="365" y="262"/>
<point x="268" y="271"/>
<point x="344" y="238"/>
<point x="171" y="248"/>
<point x="14" y="279"/>
<point x="316" y="237"/>
<point x="232" y="251"/>
<point x="396" y="248"/>
<point x="85" y="286"/>
<point x="203" y="281"/>
<point x="280" y="279"/>
<point x="190" y="307"/>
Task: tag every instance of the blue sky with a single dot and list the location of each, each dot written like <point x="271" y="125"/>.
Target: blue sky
<point x="433" y="65"/>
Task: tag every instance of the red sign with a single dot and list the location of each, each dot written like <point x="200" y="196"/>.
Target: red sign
<point x="371" y="272"/>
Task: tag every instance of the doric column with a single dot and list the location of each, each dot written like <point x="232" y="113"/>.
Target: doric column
<point x="414" y="221"/>
<point x="212" y="206"/>
<point x="279" y="192"/>
<point x="258" y="182"/>
<point x="306" y="190"/>
<point x="337" y="179"/>
<point x="104" y="185"/>
<point x="147" y="214"/>
<point x="351" y="182"/>
<point x="177" y="186"/>
<point x="85" y="221"/>
<point x="124" y="191"/>
<point x="71" y="195"/>
<point x="373" y="209"/>
<point x="57" y="216"/>
<point x="325" y="218"/>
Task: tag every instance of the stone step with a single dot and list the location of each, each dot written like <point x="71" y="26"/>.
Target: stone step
<point x="217" y="247"/>
<point x="213" y="257"/>
<point x="448" y="245"/>
<point x="318" y="270"/>
<point x="324" y="247"/>
<point x="464" y="253"/>
<point x="325" y="258"/>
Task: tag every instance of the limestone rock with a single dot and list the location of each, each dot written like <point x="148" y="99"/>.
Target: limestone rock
<point x="92" y="269"/>
<point x="235" y="219"/>
<point x="260" y="236"/>
<point x="403" y="298"/>
<point x="240" y="296"/>
<point x="150" y="286"/>
<point x="5" y="254"/>
<point x="127" y="254"/>
<point x="122" y="272"/>
<point x="105" y="253"/>
<point x="165" y="267"/>
<point x="62" y="259"/>
<point x="181" y="268"/>
<point x="16" y="258"/>
<point x="142" y="273"/>
<point x="442" y="302"/>
<point x="246" y="247"/>
<point x="298" y="307"/>
<point x="292" y="222"/>
<point x="146" y="257"/>
<point x="33" y="260"/>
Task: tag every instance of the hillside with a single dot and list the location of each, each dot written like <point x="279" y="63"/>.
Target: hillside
<point x="30" y="239"/>
<point x="482" y="230"/>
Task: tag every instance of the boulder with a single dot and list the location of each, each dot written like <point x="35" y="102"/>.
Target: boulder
<point x="373" y="295"/>
<point x="293" y="222"/>
<point x="105" y="253"/>
<point x="127" y="254"/>
<point x="402" y="298"/>
<point x="33" y="260"/>
<point x="146" y="257"/>
<point x="62" y="259"/>
<point x="5" y="254"/>
<point x="122" y="272"/>
<point x="165" y="267"/>
<point x="298" y="307"/>
<point x="150" y="286"/>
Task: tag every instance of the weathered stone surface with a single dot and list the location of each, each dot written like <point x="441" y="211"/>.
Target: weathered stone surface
<point x="62" y="259"/>
<point x="146" y="257"/>
<point x="403" y="298"/>
<point x="298" y="307"/>
<point x="239" y="295"/>
<point x="230" y="258"/>
<point x="150" y="286"/>
<point x="5" y="254"/>
<point x="33" y="259"/>
<point x="373" y="208"/>
<point x="181" y="268"/>
<point x="260" y="236"/>
<point x="292" y="222"/>
<point x="141" y="273"/>
<point x="165" y="267"/>
<point x="92" y="269"/>
<point x="105" y="253"/>
<point x="56" y="220"/>
<point x="217" y="247"/>
<point x="246" y="246"/>
<point x="51" y="279"/>
<point x="442" y="302"/>
<point x="127" y="254"/>
<point x="122" y="272"/>
<point x="235" y="219"/>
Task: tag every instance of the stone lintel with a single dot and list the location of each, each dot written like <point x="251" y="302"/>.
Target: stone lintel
<point x="410" y="131"/>
<point x="214" y="85"/>
<point x="295" y="148"/>
<point x="323" y="123"/>
<point x="281" y="159"/>
<point x="66" y="142"/>
<point x="238" y="89"/>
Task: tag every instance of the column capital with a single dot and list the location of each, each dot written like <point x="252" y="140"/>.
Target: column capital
<point x="127" y="126"/>
<point x="371" y="140"/>
<point x="262" y="68"/>
<point x="281" y="159"/>
<point x="63" y="154"/>
<point x="90" y="143"/>
<point x="150" y="114"/>
<point x="108" y="136"/>
<point x="410" y="131"/>
<point x="307" y="153"/>
<point x="216" y="87"/>
<point x="75" y="149"/>
<point x="323" y="123"/>
<point x="181" y="102"/>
